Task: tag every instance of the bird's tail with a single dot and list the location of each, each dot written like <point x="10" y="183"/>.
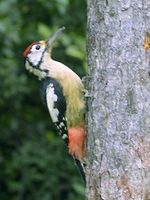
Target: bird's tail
<point x="81" y="167"/>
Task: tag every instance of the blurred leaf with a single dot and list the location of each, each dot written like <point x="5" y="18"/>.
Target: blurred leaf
<point x="44" y="30"/>
<point x="75" y="52"/>
<point x="79" y="188"/>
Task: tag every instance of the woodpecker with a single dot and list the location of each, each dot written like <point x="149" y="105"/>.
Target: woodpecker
<point x="62" y="91"/>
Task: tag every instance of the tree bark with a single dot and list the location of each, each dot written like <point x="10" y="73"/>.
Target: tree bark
<point x="118" y="146"/>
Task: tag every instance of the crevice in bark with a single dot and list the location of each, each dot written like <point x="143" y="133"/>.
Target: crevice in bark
<point x="106" y="2"/>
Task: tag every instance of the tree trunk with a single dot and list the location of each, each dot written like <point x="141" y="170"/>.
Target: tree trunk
<point x="118" y="146"/>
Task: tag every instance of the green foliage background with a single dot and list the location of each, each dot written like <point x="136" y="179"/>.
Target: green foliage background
<point x="34" y="163"/>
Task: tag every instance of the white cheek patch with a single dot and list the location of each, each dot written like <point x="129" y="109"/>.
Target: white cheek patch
<point x="51" y="98"/>
<point x="35" y="59"/>
<point x="35" y="55"/>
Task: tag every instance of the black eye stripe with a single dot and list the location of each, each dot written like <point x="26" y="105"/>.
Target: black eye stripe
<point x="37" y="47"/>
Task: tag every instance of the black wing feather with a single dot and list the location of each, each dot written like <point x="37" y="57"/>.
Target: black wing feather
<point x="60" y="105"/>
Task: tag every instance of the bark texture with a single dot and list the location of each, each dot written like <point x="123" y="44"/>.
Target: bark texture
<point x="118" y="146"/>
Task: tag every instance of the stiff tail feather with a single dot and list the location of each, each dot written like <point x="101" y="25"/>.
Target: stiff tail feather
<point x="81" y="168"/>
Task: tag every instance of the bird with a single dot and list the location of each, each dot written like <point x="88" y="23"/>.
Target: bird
<point x="63" y="94"/>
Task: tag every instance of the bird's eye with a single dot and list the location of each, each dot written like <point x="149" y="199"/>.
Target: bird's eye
<point x="37" y="47"/>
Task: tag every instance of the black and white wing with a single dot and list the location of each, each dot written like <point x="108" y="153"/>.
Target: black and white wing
<point x="56" y="104"/>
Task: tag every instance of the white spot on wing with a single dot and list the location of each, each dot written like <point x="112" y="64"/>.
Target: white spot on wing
<point x="51" y="98"/>
<point x="57" y="127"/>
<point x="61" y="124"/>
<point x="64" y="136"/>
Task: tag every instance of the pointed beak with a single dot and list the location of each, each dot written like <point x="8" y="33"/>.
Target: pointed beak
<point x="52" y="38"/>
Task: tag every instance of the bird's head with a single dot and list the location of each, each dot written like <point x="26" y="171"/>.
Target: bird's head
<point x="36" y="52"/>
